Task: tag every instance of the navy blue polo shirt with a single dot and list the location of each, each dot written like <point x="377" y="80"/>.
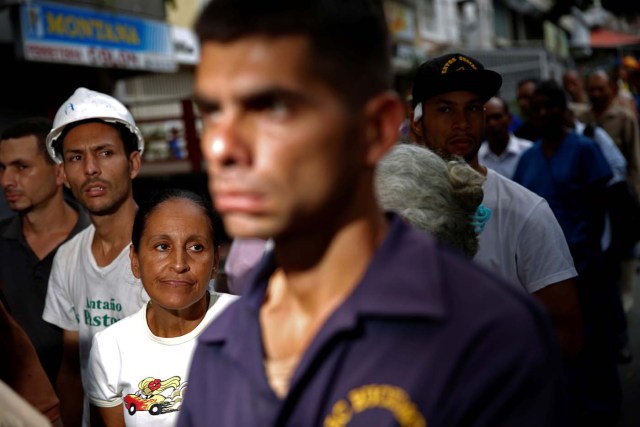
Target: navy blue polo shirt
<point x="24" y="280"/>
<point x="426" y="338"/>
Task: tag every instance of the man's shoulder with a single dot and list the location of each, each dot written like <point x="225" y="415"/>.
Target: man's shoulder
<point x="453" y="273"/>
<point x="77" y="243"/>
<point x="10" y="227"/>
<point x="519" y="144"/>
<point x="579" y="140"/>
<point x="5" y="221"/>
<point x="504" y="187"/>
<point x="619" y="111"/>
<point x="585" y="116"/>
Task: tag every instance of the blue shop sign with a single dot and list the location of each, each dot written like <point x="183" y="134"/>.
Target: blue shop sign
<point x="64" y="34"/>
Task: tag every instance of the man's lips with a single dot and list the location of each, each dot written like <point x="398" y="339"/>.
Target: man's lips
<point x="462" y="143"/>
<point x="237" y="201"/>
<point x="12" y="196"/>
<point x="94" y="190"/>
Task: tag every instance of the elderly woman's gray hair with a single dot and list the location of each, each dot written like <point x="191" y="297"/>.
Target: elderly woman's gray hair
<point x="434" y="195"/>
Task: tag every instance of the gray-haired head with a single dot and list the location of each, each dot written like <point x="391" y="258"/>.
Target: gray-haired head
<point x="434" y="195"/>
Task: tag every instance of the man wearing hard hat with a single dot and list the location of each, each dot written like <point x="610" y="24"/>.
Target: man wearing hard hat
<point x="91" y="285"/>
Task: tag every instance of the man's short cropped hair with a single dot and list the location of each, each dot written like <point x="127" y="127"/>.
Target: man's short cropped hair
<point x="349" y="40"/>
<point x="36" y="126"/>
<point x="526" y="80"/>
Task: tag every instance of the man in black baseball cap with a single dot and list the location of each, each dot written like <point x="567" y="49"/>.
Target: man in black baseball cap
<point x="445" y="82"/>
<point x="454" y="72"/>
<point x="522" y="240"/>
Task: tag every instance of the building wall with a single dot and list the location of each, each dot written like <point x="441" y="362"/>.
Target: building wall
<point x="184" y="12"/>
<point x="39" y="88"/>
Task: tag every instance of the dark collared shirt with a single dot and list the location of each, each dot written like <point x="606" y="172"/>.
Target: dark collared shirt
<point x="426" y="338"/>
<point x="24" y="278"/>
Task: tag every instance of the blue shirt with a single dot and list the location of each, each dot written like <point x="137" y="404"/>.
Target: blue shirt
<point x="426" y="338"/>
<point x="568" y="180"/>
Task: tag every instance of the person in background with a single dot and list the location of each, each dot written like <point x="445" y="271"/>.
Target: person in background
<point x="5" y="210"/>
<point x="502" y="149"/>
<point x="617" y="121"/>
<point x="297" y="112"/>
<point x="522" y="241"/>
<point x="620" y="224"/>
<point x="244" y="254"/>
<point x="573" y="84"/>
<point x="91" y="285"/>
<point x="621" y="74"/>
<point x="438" y="197"/>
<point x="571" y="173"/>
<point x="27" y="397"/>
<point x="33" y="184"/>
<point x="524" y="92"/>
<point x="622" y="127"/>
<point x="138" y="367"/>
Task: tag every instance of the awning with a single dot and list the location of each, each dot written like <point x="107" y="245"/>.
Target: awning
<point x="611" y="39"/>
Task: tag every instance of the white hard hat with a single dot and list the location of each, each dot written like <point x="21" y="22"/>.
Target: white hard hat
<point x="87" y="104"/>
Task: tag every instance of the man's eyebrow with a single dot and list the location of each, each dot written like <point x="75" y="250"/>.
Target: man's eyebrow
<point x="18" y="161"/>
<point x="204" y="103"/>
<point x="92" y="148"/>
<point x="274" y="93"/>
<point x="256" y="97"/>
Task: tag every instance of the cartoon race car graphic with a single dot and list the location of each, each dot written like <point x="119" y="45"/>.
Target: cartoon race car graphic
<point x="152" y="396"/>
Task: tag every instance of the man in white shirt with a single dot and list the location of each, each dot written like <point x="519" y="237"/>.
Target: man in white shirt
<point x="522" y="240"/>
<point x="502" y="149"/>
<point x="91" y="285"/>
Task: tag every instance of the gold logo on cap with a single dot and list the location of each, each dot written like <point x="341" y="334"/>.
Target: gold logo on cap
<point x="468" y="61"/>
<point x="447" y="64"/>
<point x="450" y="62"/>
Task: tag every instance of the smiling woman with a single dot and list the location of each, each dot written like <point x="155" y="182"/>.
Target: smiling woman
<point x="138" y="367"/>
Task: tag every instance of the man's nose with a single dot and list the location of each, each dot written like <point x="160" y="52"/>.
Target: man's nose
<point x="226" y="144"/>
<point x="7" y="178"/>
<point x="91" y="166"/>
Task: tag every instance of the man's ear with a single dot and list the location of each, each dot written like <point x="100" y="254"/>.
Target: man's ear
<point x="383" y="114"/>
<point x="135" y="263"/>
<point x="135" y="162"/>
<point x="416" y="126"/>
<point x="61" y="178"/>
<point x="65" y="180"/>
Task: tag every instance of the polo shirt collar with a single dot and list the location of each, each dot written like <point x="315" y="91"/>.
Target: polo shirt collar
<point x="13" y="229"/>
<point x="512" y="145"/>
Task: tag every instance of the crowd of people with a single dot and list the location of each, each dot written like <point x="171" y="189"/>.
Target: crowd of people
<point x="476" y="273"/>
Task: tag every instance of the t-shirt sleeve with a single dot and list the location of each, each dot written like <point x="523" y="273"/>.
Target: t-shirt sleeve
<point x="103" y="372"/>
<point x="542" y="252"/>
<point x="59" y="308"/>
